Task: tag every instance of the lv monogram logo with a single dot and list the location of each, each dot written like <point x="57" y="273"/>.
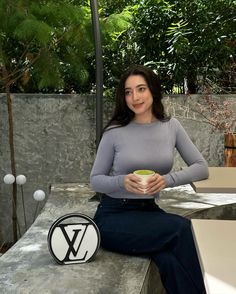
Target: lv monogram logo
<point x="73" y="238"/>
<point x="77" y="238"/>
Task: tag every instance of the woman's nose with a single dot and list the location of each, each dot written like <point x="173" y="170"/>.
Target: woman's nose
<point x="135" y="96"/>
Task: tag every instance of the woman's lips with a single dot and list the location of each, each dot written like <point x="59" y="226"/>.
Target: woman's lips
<point x="138" y="105"/>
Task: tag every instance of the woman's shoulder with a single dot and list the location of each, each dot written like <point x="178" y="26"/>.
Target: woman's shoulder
<point x="112" y="131"/>
<point x="172" y="121"/>
<point x="173" y="125"/>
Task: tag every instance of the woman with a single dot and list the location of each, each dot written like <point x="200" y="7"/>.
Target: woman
<point x="140" y="136"/>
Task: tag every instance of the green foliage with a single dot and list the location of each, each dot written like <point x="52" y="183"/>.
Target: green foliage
<point x="202" y="43"/>
<point x="181" y="40"/>
<point x="38" y="41"/>
<point x="143" y="42"/>
<point x="30" y="29"/>
<point x="116" y="24"/>
<point x="46" y="70"/>
<point x="48" y="45"/>
<point x="109" y="7"/>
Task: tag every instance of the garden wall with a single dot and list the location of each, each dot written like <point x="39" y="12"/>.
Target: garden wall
<point x="54" y="139"/>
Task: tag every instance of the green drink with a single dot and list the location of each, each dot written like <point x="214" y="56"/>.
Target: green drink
<point x="144" y="175"/>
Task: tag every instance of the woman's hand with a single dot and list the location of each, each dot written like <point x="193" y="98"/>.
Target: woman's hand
<point x="133" y="184"/>
<point x="155" y="184"/>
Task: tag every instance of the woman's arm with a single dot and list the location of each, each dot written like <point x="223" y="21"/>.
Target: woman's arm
<point x="197" y="166"/>
<point x="100" y="179"/>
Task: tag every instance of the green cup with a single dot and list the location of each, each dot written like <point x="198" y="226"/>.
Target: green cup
<point x="144" y="175"/>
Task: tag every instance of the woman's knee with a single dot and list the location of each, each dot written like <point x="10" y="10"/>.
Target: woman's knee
<point x="165" y="261"/>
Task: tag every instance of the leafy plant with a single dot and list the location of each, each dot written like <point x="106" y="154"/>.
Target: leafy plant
<point x="185" y="41"/>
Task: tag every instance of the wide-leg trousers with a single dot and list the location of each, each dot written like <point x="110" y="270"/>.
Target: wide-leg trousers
<point x="140" y="227"/>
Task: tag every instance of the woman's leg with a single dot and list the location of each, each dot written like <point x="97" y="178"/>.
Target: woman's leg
<point x="139" y="229"/>
<point x="182" y="247"/>
<point x="174" y="277"/>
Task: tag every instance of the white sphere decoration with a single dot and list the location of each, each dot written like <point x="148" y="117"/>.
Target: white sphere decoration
<point x="21" y="180"/>
<point x="39" y="195"/>
<point x="9" y="179"/>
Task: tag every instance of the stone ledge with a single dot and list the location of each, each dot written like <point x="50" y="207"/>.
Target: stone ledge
<point x="29" y="268"/>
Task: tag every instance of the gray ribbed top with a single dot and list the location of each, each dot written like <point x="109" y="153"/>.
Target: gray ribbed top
<point x="145" y="146"/>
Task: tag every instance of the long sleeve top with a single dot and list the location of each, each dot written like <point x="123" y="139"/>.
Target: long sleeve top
<point x="145" y="146"/>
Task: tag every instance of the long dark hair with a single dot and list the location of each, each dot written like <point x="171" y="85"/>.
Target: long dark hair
<point x="122" y="114"/>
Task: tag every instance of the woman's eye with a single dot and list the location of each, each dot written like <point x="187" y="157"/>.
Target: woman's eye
<point x="127" y="93"/>
<point x="142" y="89"/>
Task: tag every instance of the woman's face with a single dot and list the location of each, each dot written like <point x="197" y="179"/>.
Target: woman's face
<point x="138" y="97"/>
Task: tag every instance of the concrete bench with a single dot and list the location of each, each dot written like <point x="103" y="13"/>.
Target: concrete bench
<point x="28" y="266"/>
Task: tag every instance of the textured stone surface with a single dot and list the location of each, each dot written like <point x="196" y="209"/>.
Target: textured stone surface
<point x="54" y="139"/>
<point x="29" y="268"/>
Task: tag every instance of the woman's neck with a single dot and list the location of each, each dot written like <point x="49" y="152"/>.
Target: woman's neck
<point x="144" y="119"/>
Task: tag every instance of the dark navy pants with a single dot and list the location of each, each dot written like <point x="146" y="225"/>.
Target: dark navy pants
<point x="140" y="227"/>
